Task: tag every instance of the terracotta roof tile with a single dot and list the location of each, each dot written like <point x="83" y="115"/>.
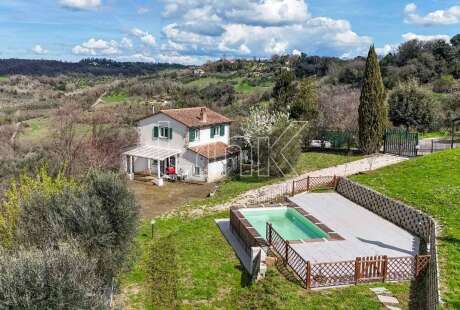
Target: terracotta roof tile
<point x="215" y="150"/>
<point x="192" y="117"/>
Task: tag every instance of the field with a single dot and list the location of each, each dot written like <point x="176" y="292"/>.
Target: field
<point x="4" y="78"/>
<point x="431" y="184"/>
<point x="37" y="129"/>
<point x="240" y="84"/>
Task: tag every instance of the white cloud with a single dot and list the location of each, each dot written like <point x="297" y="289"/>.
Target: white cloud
<point x="412" y="36"/>
<point x="142" y="58"/>
<point x="101" y="47"/>
<point x="142" y="10"/>
<point x="144" y="36"/>
<point x="386" y="49"/>
<point x="39" y="50"/>
<point x="81" y="4"/>
<point x="263" y="27"/>
<point x="126" y="43"/>
<point x="296" y="52"/>
<point x="439" y="17"/>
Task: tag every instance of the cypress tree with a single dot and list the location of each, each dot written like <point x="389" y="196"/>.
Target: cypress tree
<point x="372" y="107"/>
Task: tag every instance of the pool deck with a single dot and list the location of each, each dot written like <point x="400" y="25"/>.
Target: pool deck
<point x="365" y="233"/>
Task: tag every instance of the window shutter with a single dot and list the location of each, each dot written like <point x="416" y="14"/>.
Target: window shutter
<point x="155" y="132"/>
<point x="191" y="135"/>
<point x="170" y="133"/>
<point x="222" y="130"/>
<point x="213" y="132"/>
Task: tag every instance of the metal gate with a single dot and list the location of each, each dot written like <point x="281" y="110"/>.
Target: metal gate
<point x="400" y="142"/>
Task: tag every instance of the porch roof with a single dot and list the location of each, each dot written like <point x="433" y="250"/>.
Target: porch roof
<point x="152" y="152"/>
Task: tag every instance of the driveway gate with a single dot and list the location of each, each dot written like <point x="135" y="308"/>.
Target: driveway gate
<point x="400" y="142"/>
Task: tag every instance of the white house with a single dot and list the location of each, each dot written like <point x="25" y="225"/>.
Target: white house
<point x="190" y="144"/>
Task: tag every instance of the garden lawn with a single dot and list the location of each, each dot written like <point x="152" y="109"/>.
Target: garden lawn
<point x="431" y="184"/>
<point x="210" y="276"/>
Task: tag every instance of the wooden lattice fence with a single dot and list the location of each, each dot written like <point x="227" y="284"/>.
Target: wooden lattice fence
<point x="362" y="269"/>
<point x="406" y="217"/>
<point x="281" y="191"/>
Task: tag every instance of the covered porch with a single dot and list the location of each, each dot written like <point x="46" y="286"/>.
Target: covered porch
<point x="151" y="163"/>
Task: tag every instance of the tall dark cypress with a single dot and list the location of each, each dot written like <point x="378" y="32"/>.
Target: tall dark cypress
<point x="372" y="108"/>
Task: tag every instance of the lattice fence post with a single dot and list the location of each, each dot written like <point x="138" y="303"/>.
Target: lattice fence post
<point x="385" y="268"/>
<point x="286" y="251"/>
<point x="417" y="265"/>
<point x="269" y="232"/>
<point x="357" y="269"/>
<point x="293" y="187"/>
<point x="308" y="183"/>
<point x="308" y="275"/>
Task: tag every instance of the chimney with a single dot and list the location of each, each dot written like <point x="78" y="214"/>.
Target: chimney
<point x="204" y="115"/>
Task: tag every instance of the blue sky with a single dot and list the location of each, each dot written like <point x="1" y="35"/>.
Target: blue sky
<point x="194" y="31"/>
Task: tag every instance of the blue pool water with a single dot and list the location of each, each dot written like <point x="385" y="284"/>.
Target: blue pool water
<point x="288" y="222"/>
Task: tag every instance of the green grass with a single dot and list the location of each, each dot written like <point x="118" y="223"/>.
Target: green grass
<point x="210" y="276"/>
<point x="115" y="98"/>
<point x="431" y="184"/>
<point x="41" y="128"/>
<point x="4" y="78"/>
<point x="434" y="134"/>
<point x="205" y="81"/>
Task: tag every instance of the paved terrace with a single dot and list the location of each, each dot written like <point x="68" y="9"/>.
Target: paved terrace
<point x="365" y="233"/>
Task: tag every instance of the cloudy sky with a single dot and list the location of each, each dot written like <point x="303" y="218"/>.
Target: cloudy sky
<point x="194" y="31"/>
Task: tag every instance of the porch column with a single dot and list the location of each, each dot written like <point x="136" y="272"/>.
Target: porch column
<point x="160" y="179"/>
<point x="130" y="160"/>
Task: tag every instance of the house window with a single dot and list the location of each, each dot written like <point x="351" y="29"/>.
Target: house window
<point x="197" y="170"/>
<point x="162" y="132"/>
<point x="194" y="134"/>
<point x="218" y="131"/>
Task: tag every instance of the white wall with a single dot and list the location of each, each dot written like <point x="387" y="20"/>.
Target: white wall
<point x="189" y="160"/>
<point x="205" y="137"/>
<point x="145" y="131"/>
<point x="217" y="170"/>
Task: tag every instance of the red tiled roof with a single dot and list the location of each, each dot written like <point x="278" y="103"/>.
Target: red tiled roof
<point x="191" y="117"/>
<point x="215" y="150"/>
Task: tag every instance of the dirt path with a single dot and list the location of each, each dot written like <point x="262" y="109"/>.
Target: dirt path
<point x="99" y="100"/>
<point x="367" y="164"/>
<point x="155" y="201"/>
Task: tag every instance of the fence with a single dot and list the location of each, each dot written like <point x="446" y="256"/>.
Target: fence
<point x="437" y="145"/>
<point x="400" y="142"/>
<point x="404" y="216"/>
<point x="280" y="192"/>
<point x="331" y="139"/>
<point x="360" y="270"/>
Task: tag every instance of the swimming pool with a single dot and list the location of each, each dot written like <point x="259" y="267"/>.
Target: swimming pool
<point x="250" y="225"/>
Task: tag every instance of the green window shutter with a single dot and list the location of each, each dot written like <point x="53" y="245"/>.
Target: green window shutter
<point x="155" y="132"/>
<point x="213" y="132"/>
<point x="222" y="130"/>
<point x="170" y="133"/>
<point x="191" y="134"/>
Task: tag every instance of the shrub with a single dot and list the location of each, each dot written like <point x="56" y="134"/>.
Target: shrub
<point x="411" y="106"/>
<point x="100" y="213"/>
<point x="162" y="273"/>
<point x="61" y="278"/>
<point x="445" y="84"/>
